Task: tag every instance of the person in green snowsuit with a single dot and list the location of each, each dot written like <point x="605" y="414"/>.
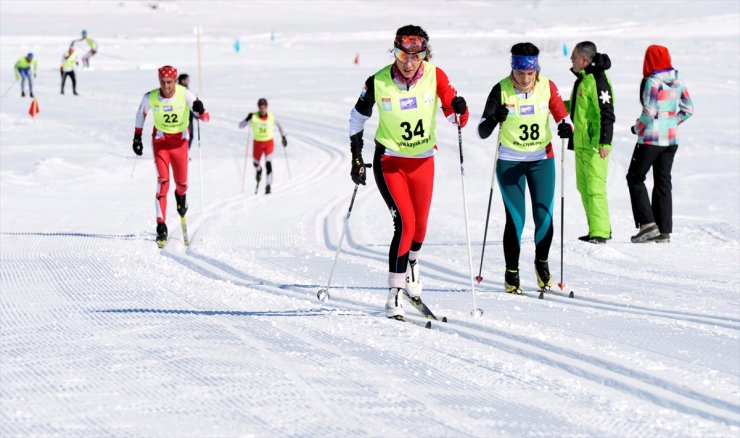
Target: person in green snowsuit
<point x="591" y="108"/>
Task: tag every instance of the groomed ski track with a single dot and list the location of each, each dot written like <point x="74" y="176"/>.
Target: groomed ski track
<point x="104" y="334"/>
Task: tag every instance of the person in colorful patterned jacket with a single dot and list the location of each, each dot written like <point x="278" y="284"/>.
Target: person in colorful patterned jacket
<point x="90" y="43"/>
<point x="407" y="93"/>
<point x="522" y="104"/>
<point x="23" y="71"/>
<point x="665" y="105"/>
<point x="171" y="105"/>
<point x="263" y="126"/>
<point x="592" y="109"/>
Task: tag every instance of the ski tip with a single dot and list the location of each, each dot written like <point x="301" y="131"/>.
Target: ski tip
<point x="542" y="295"/>
<point x="444" y="319"/>
<point x="570" y="295"/>
<point x="428" y="325"/>
<point x="478" y="278"/>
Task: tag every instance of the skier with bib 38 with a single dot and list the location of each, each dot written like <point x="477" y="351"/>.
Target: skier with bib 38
<point x="522" y="104"/>
<point x="263" y="126"/>
<point x="407" y="93"/>
<point x="170" y="104"/>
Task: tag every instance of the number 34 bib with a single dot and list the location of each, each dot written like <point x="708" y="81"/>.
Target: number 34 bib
<point x="407" y="117"/>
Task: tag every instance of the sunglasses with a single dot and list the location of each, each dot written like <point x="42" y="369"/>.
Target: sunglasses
<point x="409" y="57"/>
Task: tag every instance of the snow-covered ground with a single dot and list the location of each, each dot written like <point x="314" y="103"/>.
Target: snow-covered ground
<point x="103" y="334"/>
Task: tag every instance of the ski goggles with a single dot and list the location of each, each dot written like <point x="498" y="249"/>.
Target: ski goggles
<point x="404" y="56"/>
<point x="410" y="43"/>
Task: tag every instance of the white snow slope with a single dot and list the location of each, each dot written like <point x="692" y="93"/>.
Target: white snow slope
<point x="103" y="334"/>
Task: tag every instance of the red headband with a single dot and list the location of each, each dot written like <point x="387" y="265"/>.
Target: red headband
<point x="168" y="72"/>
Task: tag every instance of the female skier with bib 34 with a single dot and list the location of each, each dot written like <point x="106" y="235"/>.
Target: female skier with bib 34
<point x="407" y="93"/>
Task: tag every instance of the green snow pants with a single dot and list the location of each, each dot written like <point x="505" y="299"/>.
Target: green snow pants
<point x="591" y="184"/>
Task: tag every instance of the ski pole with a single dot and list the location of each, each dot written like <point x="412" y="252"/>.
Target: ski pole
<point x="561" y="285"/>
<point x="200" y="167"/>
<point x="286" y="162"/>
<point x="246" y="157"/>
<point x="476" y="312"/>
<point x="323" y="294"/>
<point x="136" y="160"/>
<point x="479" y="278"/>
<point x="10" y="88"/>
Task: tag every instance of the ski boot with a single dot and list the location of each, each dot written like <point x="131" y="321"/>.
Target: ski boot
<point x="394" y="305"/>
<point x="31" y="94"/>
<point x="413" y="281"/>
<point x="511" y="279"/>
<point x="267" y="189"/>
<point x="647" y="233"/>
<point x="23" y="94"/>
<point x="182" y="204"/>
<point x="544" y="279"/>
<point x="662" y="238"/>
<point x="161" y="234"/>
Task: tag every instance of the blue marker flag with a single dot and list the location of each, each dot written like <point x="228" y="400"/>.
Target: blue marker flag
<point x="237" y="46"/>
<point x="566" y="52"/>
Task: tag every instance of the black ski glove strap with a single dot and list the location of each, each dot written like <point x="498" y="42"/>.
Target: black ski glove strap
<point x="501" y="113"/>
<point x="358" y="171"/>
<point x="137" y="145"/>
<point x="198" y="107"/>
<point x="565" y="130"/>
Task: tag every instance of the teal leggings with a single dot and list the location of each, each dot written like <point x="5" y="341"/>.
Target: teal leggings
<point x="513" y="177"/>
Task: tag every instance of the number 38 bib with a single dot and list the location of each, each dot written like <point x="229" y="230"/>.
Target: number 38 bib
<point x="407" y="117"/>
<point x="527" y="127"/>
<point x="171" y="117"/>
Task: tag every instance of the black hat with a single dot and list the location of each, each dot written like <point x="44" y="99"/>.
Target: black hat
<point x="262" y="101"/>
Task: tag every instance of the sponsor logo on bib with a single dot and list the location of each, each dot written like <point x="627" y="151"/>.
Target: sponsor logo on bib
<point x="408" y="103"/>
<point x="526" y="110"/>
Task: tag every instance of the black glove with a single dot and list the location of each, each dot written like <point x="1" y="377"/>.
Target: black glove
<point x="565" y="130"/>
<point x="358" y="170"/>
<point x="459" y="105"/>
<point x="501" y="113"/>
<point x="633" y="129"/>
<point x="138" y="145"/>
<point x="198" y="107"/>
<point x="285" y="142"/>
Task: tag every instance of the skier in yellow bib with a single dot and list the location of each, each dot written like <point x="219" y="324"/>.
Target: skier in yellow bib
<point x="263" y="125"/>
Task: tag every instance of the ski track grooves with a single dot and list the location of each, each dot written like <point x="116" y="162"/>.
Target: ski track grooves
<point x="645" y="386"/>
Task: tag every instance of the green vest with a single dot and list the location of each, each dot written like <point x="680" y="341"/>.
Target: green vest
<point x="23" y="63"/>
<point x="172" y="117"/>
<point x="527" y="128"/>
<point x="263" y="130"/>
<point x="91" y="43"/>
<point x="69" y="61"/>
<point x="407" y="118"/>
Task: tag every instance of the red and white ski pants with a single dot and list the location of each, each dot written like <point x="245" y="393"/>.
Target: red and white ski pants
<point x="406" y="186"/>
<point x="173" y="151"/>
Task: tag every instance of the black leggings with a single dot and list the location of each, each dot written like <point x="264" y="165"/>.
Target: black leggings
<point x="71" y="74"/>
